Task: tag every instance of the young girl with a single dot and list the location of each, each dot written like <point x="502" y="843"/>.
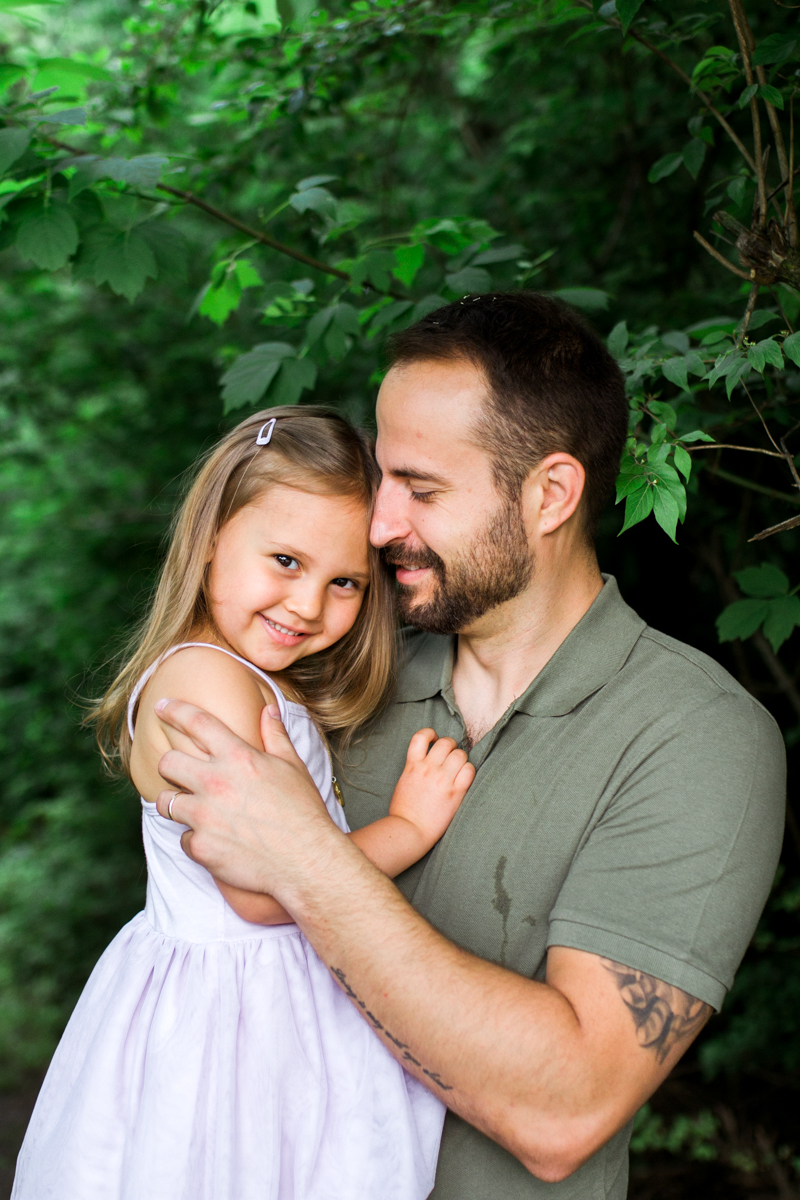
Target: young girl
<point x="212" y="1056"/>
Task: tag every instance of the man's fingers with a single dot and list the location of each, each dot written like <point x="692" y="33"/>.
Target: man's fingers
<point x="182" y="771"/>
<point x="182" y="805"/>
<point x="207" y="733"/>
<point x="274" y="736"/>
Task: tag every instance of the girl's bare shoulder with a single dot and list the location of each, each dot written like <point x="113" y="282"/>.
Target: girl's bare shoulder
<point x="213" y="681"/>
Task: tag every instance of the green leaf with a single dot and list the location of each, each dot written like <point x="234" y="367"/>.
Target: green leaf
<point x="587" y="299"/>
<point x="665" y="412"/>
<point x="765" y="352"/>
<point x="294" y="377"/>
<point x="407" y="262"/>
<point x="626" y="11"/>
<point x="498" y="254"/>
<point x="389" y="314"/>
<point x="741" y="619"/>
<point x="123" y="259"/>
<point x="249" y="377"/>
<point x="346" y="317"/>
<point x="314" y="181"/>
<point x="777" y="48"/>
<point x="764" y="581"/>
<point x="618" y="339"/>
<point x="695" y="364"/>
<point x="13" y="144"/>
<point x="693" y="154"/>
<point x="48" y="237"/>
<point x="168" y="245"/>
<point x="627" y="485"/>
<point x="697" y="435"/>
<point x="638" y="506"/>
<point x="677" y="340"/>
<point x="318" y="324"/>
<point x="783" y="617"/>
<point x="683" y="462"/>
<point x="375" y="268"/>
<point x="10" y="73"/>
<point x="771" y="94"/>
<point x="664" y="167"/>
<point x="791" y="348"/>
<point x="66" y="116"/>
<point x="738" y="371"/>
<point x="666" y="510"/>
<point x="467" y="280"/>
<point x="426" y="305"/>
<point x="315" y="199"/>
<point x="676" y="371"/>
<point x="336" y="342"/>
<point x="246" y="273"/>
<point x="747" y="95"/>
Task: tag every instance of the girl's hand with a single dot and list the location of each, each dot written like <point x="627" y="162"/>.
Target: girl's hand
<point x="433" y="784"/>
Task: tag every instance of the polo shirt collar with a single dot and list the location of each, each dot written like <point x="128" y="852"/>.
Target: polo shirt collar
<point x="591" y="654"/>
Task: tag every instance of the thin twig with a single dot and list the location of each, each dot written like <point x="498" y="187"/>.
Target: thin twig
<point x="728" y="446"/>
<point x="748" y="313"/>
<point x="790" y="461"/>
<point x="740" y="25"/>
<point x="701" y="95"/>
<point x="773" y="493"/>
<point x="228" y="219"/>
<point x="761" y="419"/>
<point x="790" y="216"/>
<point x="774" y="295"/>
<point x="748" y="275"/>
<point x="792" y="523"/>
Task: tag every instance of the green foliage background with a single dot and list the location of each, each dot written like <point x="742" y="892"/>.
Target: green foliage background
<point x="421" y="150"/>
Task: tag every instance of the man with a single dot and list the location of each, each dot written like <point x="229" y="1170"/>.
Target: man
<point x="586" y="910"/>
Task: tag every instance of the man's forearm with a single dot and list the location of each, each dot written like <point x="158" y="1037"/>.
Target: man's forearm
<point x="502" y="1051"/>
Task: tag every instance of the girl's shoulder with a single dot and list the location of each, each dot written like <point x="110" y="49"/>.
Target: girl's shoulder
<point x="209" y="678"/>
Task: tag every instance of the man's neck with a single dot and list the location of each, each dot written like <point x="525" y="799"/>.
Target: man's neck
<point x="498" y="658"/>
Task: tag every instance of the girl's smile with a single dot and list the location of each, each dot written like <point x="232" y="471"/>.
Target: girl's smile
<point x="288" y="575"/>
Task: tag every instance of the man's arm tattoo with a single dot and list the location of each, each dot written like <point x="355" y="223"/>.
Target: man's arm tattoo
<point x="384" y="1032"/>
<point x="663" y="1015"/>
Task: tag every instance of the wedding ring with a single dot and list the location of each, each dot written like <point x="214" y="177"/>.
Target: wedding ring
<point x="171" y="802"/>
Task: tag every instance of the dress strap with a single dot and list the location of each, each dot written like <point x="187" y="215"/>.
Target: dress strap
<point x="145" y="679"/>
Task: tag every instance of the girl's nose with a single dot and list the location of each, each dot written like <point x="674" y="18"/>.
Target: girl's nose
<point x="306" y="600"/>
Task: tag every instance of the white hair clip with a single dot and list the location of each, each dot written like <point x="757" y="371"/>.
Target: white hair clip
<point x="263" y="440"/>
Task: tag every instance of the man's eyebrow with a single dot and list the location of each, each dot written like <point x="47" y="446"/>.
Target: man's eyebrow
<point x="416" y="473"/>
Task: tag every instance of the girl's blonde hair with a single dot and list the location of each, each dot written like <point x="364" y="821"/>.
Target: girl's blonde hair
<point x="314" y="450"/>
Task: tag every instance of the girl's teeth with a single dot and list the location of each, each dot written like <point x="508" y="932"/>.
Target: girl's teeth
<point x="283" y="629"/>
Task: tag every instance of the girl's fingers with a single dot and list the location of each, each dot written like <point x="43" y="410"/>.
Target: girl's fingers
<point x="440" y="751"/>
<point x="418" y="746"/>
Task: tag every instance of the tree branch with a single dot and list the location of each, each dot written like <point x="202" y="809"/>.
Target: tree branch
<point x="748" y="275"/>
<point x="792" y="523"/>
<point x="773" y="493"/>
<point x="742" y="31"/>
<point x="728" y="446"/>
<point x="228" y="219"/>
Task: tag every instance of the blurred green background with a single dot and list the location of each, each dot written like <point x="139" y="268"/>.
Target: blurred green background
<point x="518" y="114"/>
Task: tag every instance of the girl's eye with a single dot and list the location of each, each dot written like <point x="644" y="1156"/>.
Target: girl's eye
<point x="287" y="561"/>
<point x="345" y="583"/>
<point x="423" y="497"/>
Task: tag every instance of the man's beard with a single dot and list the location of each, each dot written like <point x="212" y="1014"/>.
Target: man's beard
<point x="495" y="568"/>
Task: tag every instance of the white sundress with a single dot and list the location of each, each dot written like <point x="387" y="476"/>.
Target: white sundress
<point x="212" y="1059"/>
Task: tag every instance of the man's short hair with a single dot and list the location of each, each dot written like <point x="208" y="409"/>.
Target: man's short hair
<point x="552" y="385"/>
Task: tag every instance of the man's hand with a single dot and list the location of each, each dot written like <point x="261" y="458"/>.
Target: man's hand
<point x="256" y="819"/>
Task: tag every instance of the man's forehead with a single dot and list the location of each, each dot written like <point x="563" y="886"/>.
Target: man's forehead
<point x="427" y="411"/>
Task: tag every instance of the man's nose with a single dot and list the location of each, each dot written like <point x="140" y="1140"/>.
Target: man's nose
<point x="390" y="517"/>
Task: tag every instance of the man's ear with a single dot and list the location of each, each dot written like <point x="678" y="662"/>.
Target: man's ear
<point x="552" y="492"/>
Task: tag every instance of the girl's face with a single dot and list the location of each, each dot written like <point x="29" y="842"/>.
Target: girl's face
<point x="289" y="574"/>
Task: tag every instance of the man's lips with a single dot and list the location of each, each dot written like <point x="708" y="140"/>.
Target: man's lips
<point x="410" y="574"/>
<point x="283" y="634"/>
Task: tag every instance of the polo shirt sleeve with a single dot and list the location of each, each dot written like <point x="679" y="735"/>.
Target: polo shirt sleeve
<point x="672" y="875"/>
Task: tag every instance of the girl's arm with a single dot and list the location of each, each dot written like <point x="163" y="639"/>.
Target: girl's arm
<point x="433" y="784"/>
<point x="236" y="696"/>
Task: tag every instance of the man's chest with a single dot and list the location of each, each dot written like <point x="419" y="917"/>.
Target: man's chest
<point x="493" y="879"/>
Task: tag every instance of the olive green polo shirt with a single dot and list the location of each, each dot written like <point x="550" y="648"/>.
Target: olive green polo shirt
<point x="630" y="803"/>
